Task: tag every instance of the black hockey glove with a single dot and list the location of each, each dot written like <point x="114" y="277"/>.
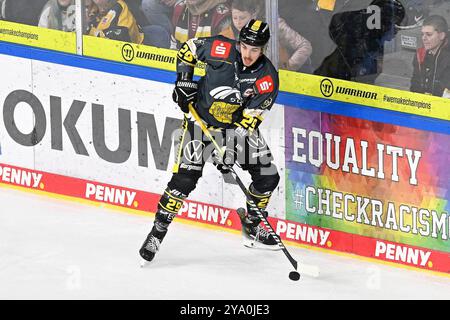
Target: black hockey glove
<point x="235" y="146"/>
<point x="185" y="92"/>
<point x="224" y="162"/>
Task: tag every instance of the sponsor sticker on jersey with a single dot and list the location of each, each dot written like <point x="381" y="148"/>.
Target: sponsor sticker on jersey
<point x="220" y="49"/>
<point x="265" y="85"/>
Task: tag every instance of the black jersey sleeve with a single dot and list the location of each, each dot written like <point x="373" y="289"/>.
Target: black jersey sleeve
<point x="266" y="91"/>
<point x="210" y="50"/>
<point x="260" y="102"/>
<point x="215" y="50"/>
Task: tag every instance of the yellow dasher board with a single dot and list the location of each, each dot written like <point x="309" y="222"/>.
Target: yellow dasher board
<point x="305" y="84"/>
<point x="131" y="53"/>
<point x="38" y="37"/>
<point x="366" y="95"/>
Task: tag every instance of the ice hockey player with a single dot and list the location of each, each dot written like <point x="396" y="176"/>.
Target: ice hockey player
<point x="239" y="87"/>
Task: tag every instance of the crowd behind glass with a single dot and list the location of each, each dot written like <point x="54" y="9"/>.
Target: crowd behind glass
<point x="400" y="44"/>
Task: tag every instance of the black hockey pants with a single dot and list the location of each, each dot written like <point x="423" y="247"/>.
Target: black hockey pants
<point x="194" y="150"/>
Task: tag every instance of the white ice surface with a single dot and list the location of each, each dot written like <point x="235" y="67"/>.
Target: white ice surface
<point x="58" y="249"/>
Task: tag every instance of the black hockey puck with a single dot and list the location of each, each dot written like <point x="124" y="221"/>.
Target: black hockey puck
<point x="294" y="275"/>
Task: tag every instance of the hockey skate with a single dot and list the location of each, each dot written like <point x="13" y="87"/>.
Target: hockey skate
<point x="253" y="234"/>
<point x="168" y="206"/>
<point x="149" y="248"/>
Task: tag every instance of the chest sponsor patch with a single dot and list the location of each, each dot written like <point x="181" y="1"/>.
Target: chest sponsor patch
<point x="265" y="85"/>
<point x="220" y="49"/>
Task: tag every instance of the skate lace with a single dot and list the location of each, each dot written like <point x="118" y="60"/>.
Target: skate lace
<point x="262" y="233"/>
<point x="153" y="244"/>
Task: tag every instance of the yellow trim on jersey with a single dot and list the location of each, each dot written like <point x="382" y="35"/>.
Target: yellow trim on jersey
<point x="260" y="196"/>
<point x="167" y="209"/>
<point x="261" y="204"/>
<point x="172" y="196"/>
<point x="176" y="166"/>
<point x="186" y="54"/>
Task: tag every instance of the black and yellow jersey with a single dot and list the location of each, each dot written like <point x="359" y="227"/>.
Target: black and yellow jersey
<point x="229" y="94"/>
<point x="118" y="24"/>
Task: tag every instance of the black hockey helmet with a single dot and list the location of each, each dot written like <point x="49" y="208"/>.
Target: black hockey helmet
<point x="255" y="33"/>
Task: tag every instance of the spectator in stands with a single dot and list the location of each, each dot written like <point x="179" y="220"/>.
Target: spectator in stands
<point x="124" y="20"/>
<point x="154" y="35"/>
<point x="159" y="12"/>
<point x="199" y="18"/>
<point x="135" y="7"/>
<point x="431" y="64"/>
<point x="311" y="18"/>
<point x="360" y="49"/>
<point x="294" y="50"/>
<point x="115" y="21"/>
<point x="58" y="15"/>
<point x="92" y="12"/>
<point x="23" y="11"/>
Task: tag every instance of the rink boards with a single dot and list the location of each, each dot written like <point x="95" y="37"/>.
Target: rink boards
<point x="352" y="181"/>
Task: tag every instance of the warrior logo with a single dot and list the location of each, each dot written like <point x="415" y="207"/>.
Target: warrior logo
<point x="127" y="52"/>
<point x="326" y="87"/>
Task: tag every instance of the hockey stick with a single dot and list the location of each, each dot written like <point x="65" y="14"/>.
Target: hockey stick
<point x="294" y="275"/>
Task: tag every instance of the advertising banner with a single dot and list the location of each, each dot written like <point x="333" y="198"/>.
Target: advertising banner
<point x="38" y="37"/>
<point x="366" y="95"/>
<point x="311" y="85"/>
<point x="351" y="185"/>
<point x="110" y="129"/>
<point x="368" y="179"/>
<point x="132" y="53"/>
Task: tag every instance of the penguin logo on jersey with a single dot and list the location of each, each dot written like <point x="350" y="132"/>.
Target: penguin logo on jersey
<point x="226" y="93"/>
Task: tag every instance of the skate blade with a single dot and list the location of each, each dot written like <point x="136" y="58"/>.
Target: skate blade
<point x="250" y="243"/>
<point x="144" y="263"/>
